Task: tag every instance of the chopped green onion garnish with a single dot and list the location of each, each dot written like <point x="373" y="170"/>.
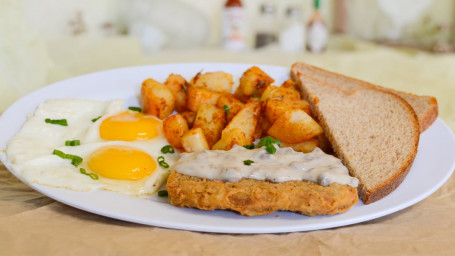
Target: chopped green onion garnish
<point x="248" y="162"/>
<point x="162" y="193"/>
<point x="95" y="119"/>
<point x="226" y="109"/>
<point x="75" y="160"/>
<point x="167" y="149"/>
<point x="257" y="93"/>
<point x="59" y="153"/>
<point x="270" y="148"/>
<point x="268" y="143"/>
<point x="162" y="162"/>
<point x="72" y="143"/>
<point x="138" y="109"/>
<point x="94" y="176"/>
<point x="251" y="146"/>
<point x="61" y="122"/>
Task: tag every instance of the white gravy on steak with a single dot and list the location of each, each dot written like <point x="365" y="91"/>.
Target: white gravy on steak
<point x="284" y="165"/>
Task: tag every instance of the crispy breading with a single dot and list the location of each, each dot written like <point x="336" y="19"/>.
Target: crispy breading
<point x="257" y="197"/>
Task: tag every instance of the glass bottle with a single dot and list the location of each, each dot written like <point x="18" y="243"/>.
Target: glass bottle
<point x="317" y="31"/>
<point x="292" y="35"/>
<point x="266" y="27"/>
<point x="233" y="25"/>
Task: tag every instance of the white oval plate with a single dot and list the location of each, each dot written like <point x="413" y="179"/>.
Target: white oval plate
<point x="432" y="167"/>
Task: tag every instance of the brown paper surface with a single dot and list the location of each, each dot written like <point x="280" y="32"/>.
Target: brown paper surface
<point x="32" y="224"/>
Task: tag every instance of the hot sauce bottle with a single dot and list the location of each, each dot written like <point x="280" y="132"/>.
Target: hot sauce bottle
<point x="234" y="26"/>
<point x="317" y="31"/>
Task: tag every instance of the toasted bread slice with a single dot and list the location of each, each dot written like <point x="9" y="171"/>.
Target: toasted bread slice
<point x="426" y="107"/>
<point x="375" y="133"/>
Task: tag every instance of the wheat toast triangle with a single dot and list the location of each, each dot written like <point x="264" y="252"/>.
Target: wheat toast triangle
<point x="426" y="107"/>
<point x="375" y="133"/>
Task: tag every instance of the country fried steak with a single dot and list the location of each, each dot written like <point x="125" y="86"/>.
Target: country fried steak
<point x="259" y="197"/>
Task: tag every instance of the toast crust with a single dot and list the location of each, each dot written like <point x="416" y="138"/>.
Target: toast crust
<point x="367" y="193"/>
<point x="258" y="197"/>
<point x="426" y="107"/>
<point x="388" y="186"/>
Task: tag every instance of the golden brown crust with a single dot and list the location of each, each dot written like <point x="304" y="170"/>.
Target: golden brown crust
<point x="426" y="107"/>
<point x="255" y="197"/>
<point x="430" y="115"/>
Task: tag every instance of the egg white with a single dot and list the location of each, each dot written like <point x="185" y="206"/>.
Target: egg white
<point x="30" y="150"/>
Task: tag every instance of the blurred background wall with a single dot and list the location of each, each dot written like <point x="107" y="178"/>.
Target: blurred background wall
<point x="421" y="23"/>
<point x="48" y="40"/>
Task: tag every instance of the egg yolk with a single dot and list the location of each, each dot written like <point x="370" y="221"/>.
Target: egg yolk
<point x="122" y="163"/>
<point x="129" y="126"/>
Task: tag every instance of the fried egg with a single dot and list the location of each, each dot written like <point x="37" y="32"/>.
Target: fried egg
<point x="120" y="149"/>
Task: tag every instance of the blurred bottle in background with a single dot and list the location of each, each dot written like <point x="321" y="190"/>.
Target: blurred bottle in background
<point x="292" y="36"/>
<point x="266" y="26"/>
<point x="317" y="31"/>
<point x="234" y="26"/>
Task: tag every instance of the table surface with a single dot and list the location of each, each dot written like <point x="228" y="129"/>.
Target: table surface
<point x="31" y="223"/>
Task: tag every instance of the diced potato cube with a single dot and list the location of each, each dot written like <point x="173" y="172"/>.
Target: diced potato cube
<point x="238" y="94"/>
<point x="275" y="108"/>
<point x="254" y="81"/>
<point x="229" y="138"/>
<point x="157" y="99"/>
<point x="247" y="120"/>
<point x="216" y="81"/>
<point x="212" y="121"/>
<point x="231" y="103"/>
<point x="294" y="127"/>
<point x="305" y="146"/>
<point x="262" y="126"/>
<point x="189" y="117"/>
<point x="196" y="96"/>
<point x="268" y="91"/>
<point x="178" y="85"/>
<point x="289" y="84"/>
<point x="280" y="93"/>
<point x="194" y="140"/>
<point x="174" y="128"/>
